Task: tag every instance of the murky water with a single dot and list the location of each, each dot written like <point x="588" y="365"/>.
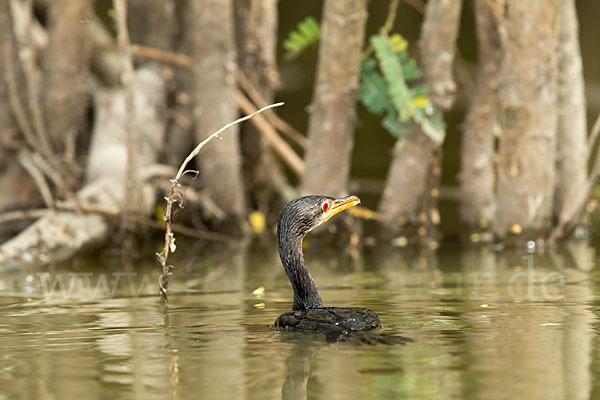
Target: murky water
<point x="485" y="325"/>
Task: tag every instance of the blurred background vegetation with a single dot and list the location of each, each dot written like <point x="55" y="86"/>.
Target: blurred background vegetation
<point x="122" y="91"/>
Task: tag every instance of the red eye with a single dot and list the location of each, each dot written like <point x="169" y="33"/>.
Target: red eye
<point x="325" y="206"/>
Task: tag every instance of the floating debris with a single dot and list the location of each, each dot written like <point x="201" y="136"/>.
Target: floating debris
<point x="259" y="292"/>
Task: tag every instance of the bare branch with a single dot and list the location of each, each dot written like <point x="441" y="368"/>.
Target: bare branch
<point x="48" y="170"/>
<point x="27" y="162"/>
<point x="273" y="119"/>
<point x="184" y="61"/>
<point x="136" y="219"/>
<point x="391" y="17"/>
<point x="594" y="133"/>
<point x="26" y="50"/>
<point x="287" y="154"/>
<point x="577" y="199"/>
<point x="24" y="215"/>
<point x="13" y="96"/>
<point x="169" y="235"/>
<point x="169" y="57"/>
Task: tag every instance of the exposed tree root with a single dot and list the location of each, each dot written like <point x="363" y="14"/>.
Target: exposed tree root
<point x="58" y="237"/>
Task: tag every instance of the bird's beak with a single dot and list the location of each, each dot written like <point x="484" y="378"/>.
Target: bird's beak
<point x="340" y="205"/>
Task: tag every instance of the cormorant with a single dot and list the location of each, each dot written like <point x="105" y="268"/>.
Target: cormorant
<point x="297" y="218"/>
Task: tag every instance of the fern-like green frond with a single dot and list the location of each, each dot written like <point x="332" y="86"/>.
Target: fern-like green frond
<point x="435" y="128"/>
<point x="373" y="91"/>
<point x="306" y="34"/>
<point x="393" y="75"/>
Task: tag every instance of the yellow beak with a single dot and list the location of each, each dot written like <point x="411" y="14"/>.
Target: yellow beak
<point x="340" y="205"/>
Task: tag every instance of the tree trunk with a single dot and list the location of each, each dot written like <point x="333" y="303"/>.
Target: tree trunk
<point x="333" y="114"/>
<point x="180" y="137"/>
<point x="571" y="134"/>
<point x="406" y="183"/>
<point x="528" y="118"/>
<point x="8" y="51"/>
<point x="161" y="24"/>
<point x="478" y="197"/>
<point x="409" y="200"/>
<point x="153" y="23"/>
<point x="437" y="47"/>
<point x="23" y="192"/>
<point x="60" y="235"/>
<point x="256" y="39"/>
<point x="66" y="69"/>
<point x="214" y="54"/>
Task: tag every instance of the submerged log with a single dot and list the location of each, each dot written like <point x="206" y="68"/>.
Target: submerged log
<point x="60" y="236"/>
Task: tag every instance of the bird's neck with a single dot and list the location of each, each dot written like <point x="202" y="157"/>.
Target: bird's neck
<point x="306" y="295"/>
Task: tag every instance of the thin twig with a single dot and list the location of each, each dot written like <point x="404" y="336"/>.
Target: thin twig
<point x="391" y="17"/>
<point x="31" y="82"/>
<point x="48" y="170"/>
<point x="184" y="61"/>
<point x="277" y="122"/>
<point x="385" y="28"/>
<point x="31" y="75"/>
<point x="27" y="162"/>
<point x="13" y="96"/>
<point x="181" y="229"/>
<point x="21" y="215"/>
<point x="574" y="207"/>
<point x="287" y="154"/>
<point x="169" y="235"/>
<point x="177" y="59"/>
<point x="42" y="142"/>
<point x="594" y="133"/>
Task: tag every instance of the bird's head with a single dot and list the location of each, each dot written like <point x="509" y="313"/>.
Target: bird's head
<point x="303" y="214"/>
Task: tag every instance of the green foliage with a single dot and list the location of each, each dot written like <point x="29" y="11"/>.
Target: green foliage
<point x="384" y="89"/>
<point x="396" y="88"/>
<point x="306" y="34"/>
<point x="387" y="85"/>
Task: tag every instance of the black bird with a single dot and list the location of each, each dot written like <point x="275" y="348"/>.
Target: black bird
<point x="297" y="218"/>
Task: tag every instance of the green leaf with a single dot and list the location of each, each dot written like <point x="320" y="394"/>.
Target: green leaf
<point x="410" y="69"/>
<point x="393" y="126"/>
<point x="384" y="90"/>
<point x="435" y="128"/>
<point x="419" y="90"/>
<point x="306" y="34"/>
<point x="373" y="91"/>
<point x="392" y="74"/>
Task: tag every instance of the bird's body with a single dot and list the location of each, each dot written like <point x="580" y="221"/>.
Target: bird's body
<point x="309" y="314"/>
<point x="328" y="320"/>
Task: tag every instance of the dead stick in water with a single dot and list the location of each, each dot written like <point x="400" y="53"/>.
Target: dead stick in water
<point x="169" y="235"/>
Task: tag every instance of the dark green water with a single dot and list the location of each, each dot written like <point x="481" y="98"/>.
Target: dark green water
<point x="485" y="325"/>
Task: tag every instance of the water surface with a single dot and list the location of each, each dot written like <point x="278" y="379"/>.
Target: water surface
<point x="485" y="325"/>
